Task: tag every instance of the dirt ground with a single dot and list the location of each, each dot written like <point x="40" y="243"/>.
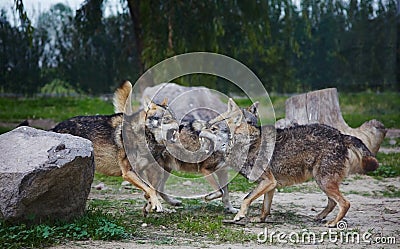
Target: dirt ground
<point x="371" y="216"/>
<point x="373" y="220"/>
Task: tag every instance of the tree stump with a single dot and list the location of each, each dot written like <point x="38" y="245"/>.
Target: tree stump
<point x="323" y="107"/>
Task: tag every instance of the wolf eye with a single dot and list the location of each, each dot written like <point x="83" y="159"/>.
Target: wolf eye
<point x="214" y="128"/>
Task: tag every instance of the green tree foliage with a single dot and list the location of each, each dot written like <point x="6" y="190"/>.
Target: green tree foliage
<point x="352" y="45"/>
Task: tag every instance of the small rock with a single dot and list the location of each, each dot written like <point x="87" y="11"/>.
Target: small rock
<point x="144" y="225"/>
<point x="101" y="186"/>
<point x="392" y="142"/>
<point x="187" y="183"/>
<point x="125" y="183"/>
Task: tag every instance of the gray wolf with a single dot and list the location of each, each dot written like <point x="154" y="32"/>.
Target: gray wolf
<point x="115" y="147"/>
<point x="213" y="164"/>
<point x="300" y="153"/>
<point x="189" y="130"/>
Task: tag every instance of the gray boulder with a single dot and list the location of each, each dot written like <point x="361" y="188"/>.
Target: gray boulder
<point x="188" y="103"/>
<point x="43" y="175"/>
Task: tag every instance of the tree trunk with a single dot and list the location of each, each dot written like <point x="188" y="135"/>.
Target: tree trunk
<point x="322" y="107"/>
<point x="134" y="9"/>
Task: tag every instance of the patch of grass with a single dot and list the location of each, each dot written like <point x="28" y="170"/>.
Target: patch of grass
<point x="358" y="193"/>
<point x="95" y="225"/>
<point x="200" y="220"/>
<point x="391" y="142"/>
<point x="190" y="175"/>
<point x="57" y="109"/>
<point x="303" y="188"/>
<point x="391" y="192"/>
<point x="240" y="184"/>
<point x="108" y="180"/>
<point x="360" y="107"/>
<point x="389" y="165"/>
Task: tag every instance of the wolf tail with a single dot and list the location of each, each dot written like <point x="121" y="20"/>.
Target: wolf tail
<point x="121" y="96"/>
<point x="368" y="161"/>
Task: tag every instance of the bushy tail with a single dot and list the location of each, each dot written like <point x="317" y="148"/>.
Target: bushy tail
<point x="121" y="96"/>
<point x="369" y="163"/>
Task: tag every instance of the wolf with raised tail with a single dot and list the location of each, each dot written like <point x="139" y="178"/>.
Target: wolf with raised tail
<point x="118" y="140"/>
<point x="299" y="153"/>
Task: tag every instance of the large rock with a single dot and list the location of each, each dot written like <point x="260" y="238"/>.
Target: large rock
<point x="188" y="103"/>
<point x="43" y="175"/>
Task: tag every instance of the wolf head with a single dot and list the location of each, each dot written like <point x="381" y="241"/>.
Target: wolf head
<point x="160" y="121"/>
<point x="220" y="131"/>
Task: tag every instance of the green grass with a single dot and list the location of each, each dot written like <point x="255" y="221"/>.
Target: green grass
<point x="360" y="107"/>
<point x="391" y="192"/>
<point x="95" y="224"/>
<point x="391" y="142"/>
<point x="57" y="109"/>
<point x="108" y="180"/>
<point x="356" y="108"/>
<point x="241" y="184"/>
<point x="109" y="219"/>
<point x="389" y="165"/>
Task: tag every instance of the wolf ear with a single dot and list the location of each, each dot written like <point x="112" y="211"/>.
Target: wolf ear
<point x="253" y="108"/>
<point x="234" y="112"/>
<point x="164" y="102"/>
<point x="237" y="118"/>
<point x="232" y="106"/>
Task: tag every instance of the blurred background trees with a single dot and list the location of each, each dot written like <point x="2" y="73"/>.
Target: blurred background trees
<point x="313" y="44"/>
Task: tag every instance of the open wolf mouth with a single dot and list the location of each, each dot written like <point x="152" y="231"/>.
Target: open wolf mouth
<point x="207" y="145"/>
<point x="172" y="135"/>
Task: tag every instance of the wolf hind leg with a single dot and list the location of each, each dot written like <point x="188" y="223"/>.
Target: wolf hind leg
<point x="267" y="184"/>
<point x="266" y="208"/>
<point x="331" y="188"/>
<point x="327" y="210"/>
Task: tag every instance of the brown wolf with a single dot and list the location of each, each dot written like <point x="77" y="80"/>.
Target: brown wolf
<point x="301" y="152"/>
<point x="115" y="147"/>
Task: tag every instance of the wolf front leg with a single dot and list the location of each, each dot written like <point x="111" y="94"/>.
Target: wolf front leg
<point x="131" y="176"/>
<point x="267" y="184"/>
<point x="161" y="189"/>
<point x="213" y="182"/>
<point x="223" y="178"/>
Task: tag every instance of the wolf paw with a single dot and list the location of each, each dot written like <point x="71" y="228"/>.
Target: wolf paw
<point x="331" y="224"/>
<point x="157" y="207"/>
<point x="231" y="210"/>
<point x="239" y="216"/>
<point x="215" y="195"/>
<point x="175" y="203"/>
